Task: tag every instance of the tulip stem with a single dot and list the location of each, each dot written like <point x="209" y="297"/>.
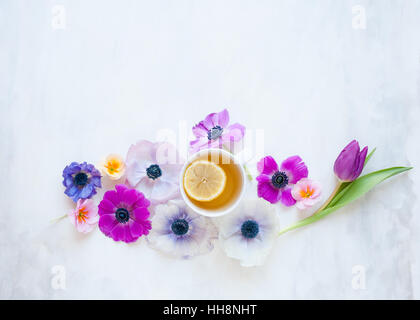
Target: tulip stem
<point x="58" y="219"/>
<point x="329" y="205"/>
<point x="325" y="205"/>
<point x="333" y="194"/>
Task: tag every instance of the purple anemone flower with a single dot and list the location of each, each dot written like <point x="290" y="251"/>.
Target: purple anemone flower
<point x="123" y="214"/>
<point x="350" y="162"/>
<point x="276" y="184"/>
<point x="81" y="180"/>
<point x="215" y="132"/>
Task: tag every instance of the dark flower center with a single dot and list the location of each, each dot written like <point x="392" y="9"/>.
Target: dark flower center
<point x="279" y="180"/>
<point x="214" y="133"/>
<point x="81" y="179"/>
<point x="180" y="227"/>
<point x="122" y="215"/>
<point x="154" y="171"/>
<point x="250" y="229"/>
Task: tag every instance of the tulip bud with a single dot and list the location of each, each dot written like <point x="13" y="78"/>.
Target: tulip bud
<point x="350" y="162"/>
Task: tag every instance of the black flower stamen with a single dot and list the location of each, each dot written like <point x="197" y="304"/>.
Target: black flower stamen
<point x="214" y="133"/>
<point x="81" y="179"/>
<point x="279" y="180"/>
<point x="250" y="229"/>
<point x="154" y="171"/>
<point x="122" y="215"/>
<point x="180" y="227"/>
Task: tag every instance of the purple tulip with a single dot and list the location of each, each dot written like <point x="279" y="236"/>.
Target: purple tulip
<point x="350" y="162"/>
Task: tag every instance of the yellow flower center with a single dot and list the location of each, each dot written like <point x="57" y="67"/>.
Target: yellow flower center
<point x="307" y="193"/>
<point x="113" y="166"/>
<point x="82" y="216"/>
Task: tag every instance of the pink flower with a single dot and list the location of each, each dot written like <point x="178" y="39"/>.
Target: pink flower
<point x="306" y="193"/>
<point x="215" y="132"/>
<point x="275" y="184"/>
<point x="123" y="214"/>
<point x="85" y="216"/>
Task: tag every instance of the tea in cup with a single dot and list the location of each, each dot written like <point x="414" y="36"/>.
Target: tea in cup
<point x="212" y="182"/>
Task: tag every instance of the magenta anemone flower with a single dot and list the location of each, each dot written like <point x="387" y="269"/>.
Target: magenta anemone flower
<point x="123" y="214"/>
<point x="276" y="184"/>
<point x="215" y="132"/>
<point x="350" y="162"/>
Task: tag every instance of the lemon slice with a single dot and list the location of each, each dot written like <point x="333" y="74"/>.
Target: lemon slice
<point x="204" y="180"/>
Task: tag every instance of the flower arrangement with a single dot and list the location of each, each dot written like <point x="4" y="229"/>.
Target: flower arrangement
<point x="146" y="201"/>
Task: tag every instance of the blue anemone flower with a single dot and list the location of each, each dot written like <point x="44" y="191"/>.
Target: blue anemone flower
<point x="81" y="180"/>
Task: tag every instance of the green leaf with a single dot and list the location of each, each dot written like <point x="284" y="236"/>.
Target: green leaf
<point x="353" y="191"/>
<point x="365" y="183"/>
<point x="369" y="156"/>
<point x="341" y="191"/>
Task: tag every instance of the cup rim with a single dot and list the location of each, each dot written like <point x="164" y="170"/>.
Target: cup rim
<point x="199" y="210"/>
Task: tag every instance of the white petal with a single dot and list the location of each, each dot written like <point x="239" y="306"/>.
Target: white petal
<point x="257" y="257"/>
<point x="250" y="252"/>
<point x="170" y="173"/>
<point x="235" y="246"/>
<point x="135" y="173"/>
<point x="141" y="151"/>
<point x="146" y="186"/>
<point x="163" y="191"/>
<point x="201" y="235"/>
<point x="163" y="214"/>
<point x="230" y="223"/>
<point x="161" y="242"/>
<point x="166" y="153"/>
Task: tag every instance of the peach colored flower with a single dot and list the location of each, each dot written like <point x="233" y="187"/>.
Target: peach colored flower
<point x="113" y="166"/>
<point x="306" y="193"/>
<point x="85" y="216"/>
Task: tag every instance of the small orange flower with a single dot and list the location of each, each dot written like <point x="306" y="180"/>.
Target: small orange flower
<point x="306" y="193"/>
<point x="81" y="215"/>
<point x="113" y="166"/>
<point x="85" y="216"/>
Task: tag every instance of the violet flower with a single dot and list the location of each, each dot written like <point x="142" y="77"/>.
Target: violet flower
<point x="350" y="162"/>
<point x="215" y="132"/>
<point x="275" y="184"/>
<point x="81" y="180"/>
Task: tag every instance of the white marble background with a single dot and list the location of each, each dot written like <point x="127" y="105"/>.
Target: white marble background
<point x="123" y="70"/>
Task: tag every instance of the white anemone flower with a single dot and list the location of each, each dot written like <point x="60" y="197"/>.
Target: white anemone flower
<point x="153" y="169"/>
<point x="249" y="232"/>
<point x="179" y="232"/>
